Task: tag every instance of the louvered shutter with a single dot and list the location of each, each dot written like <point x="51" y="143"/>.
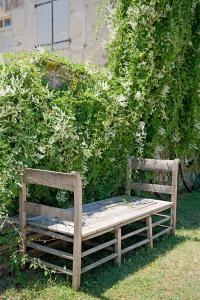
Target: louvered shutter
<point x="44" y="22"/>
<point x="60" y="23"/>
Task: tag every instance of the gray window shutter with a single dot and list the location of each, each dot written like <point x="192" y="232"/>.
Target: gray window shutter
<point x="60" y="24"/>
<point x="44" y="22"/>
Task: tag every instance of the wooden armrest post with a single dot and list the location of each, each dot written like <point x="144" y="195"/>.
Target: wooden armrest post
<point x="174" y="194"/>
<point x="22" y="217"/>
<point x="76" y="276"/>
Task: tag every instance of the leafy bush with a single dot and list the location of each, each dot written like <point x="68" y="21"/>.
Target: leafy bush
<point x="59" y="116"/>
<point x="154" y="54"/>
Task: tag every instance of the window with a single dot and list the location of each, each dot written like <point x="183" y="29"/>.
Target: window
<point x="5" y="23"/>
<point x="52" y="23"/>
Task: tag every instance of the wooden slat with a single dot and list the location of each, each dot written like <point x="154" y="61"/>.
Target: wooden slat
<point x="174" y="193"/>
<point x="149" y="231"/>
<point x="118" y="245"/>
<point x="162" y="232"/>
<point x="98" y="263"/>
<point x="136" y="245"/>
<point x="22" y="217"/>
<point x="64" y="181"/>
<point x="50" y="266"/>
<point x="161" y="215"/>
<point x="50" y="233"/>
<point x="161" y="221"/>
<point x="49" y="211"/>
<point x="155" y="188"/>
<point x="151" y="164"/>
<point x="76" y="277"/>
<point x="50" y="250"/>
<point x="134" y="232"/>
<point x="99" y="247"/>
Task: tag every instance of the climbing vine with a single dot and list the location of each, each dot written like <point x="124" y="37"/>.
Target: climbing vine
<point x="154" y="54"/>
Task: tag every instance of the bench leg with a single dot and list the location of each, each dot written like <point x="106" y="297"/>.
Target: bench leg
<point x="173" y="220"/>
<point x="76" y="274"/>
<point x="118" y="245"/>
<point x="149" y="231"/>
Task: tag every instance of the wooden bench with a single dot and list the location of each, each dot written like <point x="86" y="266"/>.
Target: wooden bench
<point x="82" y="223"/>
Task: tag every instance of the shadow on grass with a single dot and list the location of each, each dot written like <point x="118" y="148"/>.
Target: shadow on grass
<point x="97" y="281"/>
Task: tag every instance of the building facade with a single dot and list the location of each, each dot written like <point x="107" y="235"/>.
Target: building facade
<point x="67" y="27"/>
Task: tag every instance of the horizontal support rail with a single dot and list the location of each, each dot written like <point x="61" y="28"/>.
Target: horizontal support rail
<point x="135" y="246"/>
<point x="50" y="251"/>
<point x="133" y="233"/>
<point x="50" y="233"/>
<point x="155" y="188"/>
<point x="50" y="266"/>
<point x="162" y="232"/>
<point x="64" y="181"/>
<point x="99" y="247"/>
<point x="161" y="221"/>
<point x="151" y="164"/>
<point x="49" y="211"/>
<point x="161" y="215"/>
<point x="98" y="263"/>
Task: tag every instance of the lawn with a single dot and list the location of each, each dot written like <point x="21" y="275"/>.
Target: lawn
<point x="171" y="270"/>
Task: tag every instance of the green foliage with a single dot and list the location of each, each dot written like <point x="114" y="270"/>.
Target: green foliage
<point x="59" y="116"/>
<point x="154" y="53"/>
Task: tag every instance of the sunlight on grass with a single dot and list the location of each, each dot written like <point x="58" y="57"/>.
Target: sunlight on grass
<point x="171" y="270"/>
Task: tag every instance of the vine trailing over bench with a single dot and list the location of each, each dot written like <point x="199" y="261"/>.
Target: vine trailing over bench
<point x="60" y="116"/>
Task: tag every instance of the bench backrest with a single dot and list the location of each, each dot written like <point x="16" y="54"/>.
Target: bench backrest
<point x="153" y="165"/>
<point x="65" y="181"/>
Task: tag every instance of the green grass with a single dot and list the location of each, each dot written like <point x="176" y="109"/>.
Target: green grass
<point x="171" y="270"/>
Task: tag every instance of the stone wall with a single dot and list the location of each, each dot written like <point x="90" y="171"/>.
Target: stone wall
<point x="86" y="42"/>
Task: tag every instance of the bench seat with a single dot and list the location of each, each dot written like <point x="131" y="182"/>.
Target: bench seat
<point x="103" y="215"/>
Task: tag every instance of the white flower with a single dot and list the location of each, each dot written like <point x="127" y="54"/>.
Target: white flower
<point x="122" y="100"/>
<point x="165" y="91"/>
<point x="197" y="126"/>
<point x="161" y="131"/>
<point x="99" y="153"/>
<point x="160" y="75"/>
<point x="138" y="95"/>
<point x="105" y="86"/>
<point x="2" y="92"/>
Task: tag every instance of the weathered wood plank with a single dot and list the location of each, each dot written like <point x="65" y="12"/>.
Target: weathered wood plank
<point x="76" y="277"/>
<point x="64" y="181"/>
<point x="155" y="188"/>
<point x="50" y="250"/>
<point x="162" y="232"/>
<point x="136" y="245"/>
<point x="51" y="234"/>
<point x="151" y="164"/>
<point x="161" y="221"/>
<point x="49" y="211"/>
<point x="126" y="236"/>
<point x="105" y="219"/>
<point x="22" y="217"/>
<point x="174" y="193"/>
<point x="98" y="263"/>
<point x="149" y="230"/>
<point x="50" y="266"/>
<point x="118" y="245"/>
<point x="99" y="247"/>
